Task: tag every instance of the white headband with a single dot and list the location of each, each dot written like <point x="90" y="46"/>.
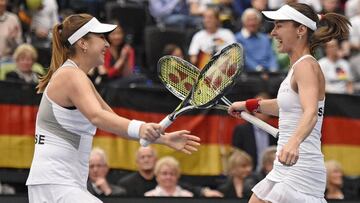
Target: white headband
<point x="287" y="12"/>
<point x="93" y="26"/>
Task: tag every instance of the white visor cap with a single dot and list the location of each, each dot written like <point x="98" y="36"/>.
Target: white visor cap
<point x="287" y="12"/>
<point x="93" y="26"/>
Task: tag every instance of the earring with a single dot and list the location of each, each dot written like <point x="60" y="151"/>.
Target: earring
<point x="84" y="50"/>
<point x="300" y="37"/>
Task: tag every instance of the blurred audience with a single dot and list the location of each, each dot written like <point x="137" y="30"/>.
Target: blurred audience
<point x="239" y="167"/>
<point x="335" y="181"/>
<point x="259" y="55"/>
<point x="252" y="139"/>
<point x="337" y="71"/>
<point x="209" y="40"/>
<point x="167" y="172"/>
<point x="329" y="6"/>
<point x="137" y="183"/>
<point x="119" y="59"/>
<point x="173" y="50"/>
<point x="25" y="57"/>
<point x="11" y="32"/>
<point x="173" y="13"/>
<point x="266" y="165"/>
<point x="97" y="183"/>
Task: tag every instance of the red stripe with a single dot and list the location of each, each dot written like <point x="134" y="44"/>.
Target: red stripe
<point x="17" y="119"/>
<point x="341" y="131"/>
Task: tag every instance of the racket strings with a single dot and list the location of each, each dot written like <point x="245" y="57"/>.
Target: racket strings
<point x="177" y="76"/>
<point x="217" y="77"/>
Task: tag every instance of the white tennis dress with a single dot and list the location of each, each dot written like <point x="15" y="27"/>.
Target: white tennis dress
<point x="305" y="181"/>
<point x="60" y="165"/>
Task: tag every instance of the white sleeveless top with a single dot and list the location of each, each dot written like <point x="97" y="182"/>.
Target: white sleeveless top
<point x="62" y="145"/>
<point x="308" y="175"/>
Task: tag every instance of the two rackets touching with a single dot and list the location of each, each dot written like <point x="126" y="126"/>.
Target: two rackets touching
<point x="203" y="89"/>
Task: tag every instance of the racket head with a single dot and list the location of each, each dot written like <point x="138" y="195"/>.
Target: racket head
<point x="218" y="76"/>
<point x="177" y="75"/>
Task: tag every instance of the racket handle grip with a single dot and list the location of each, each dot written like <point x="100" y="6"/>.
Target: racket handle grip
<point x="260" y="124"/>
<point x="166" y="122"/>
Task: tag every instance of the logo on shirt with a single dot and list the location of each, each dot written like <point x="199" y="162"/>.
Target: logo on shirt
<point x="321" y="111"/>
<point x="39" y="139"/>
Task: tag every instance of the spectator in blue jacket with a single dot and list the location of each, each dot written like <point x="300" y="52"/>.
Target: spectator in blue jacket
<point x="259" y="55"/>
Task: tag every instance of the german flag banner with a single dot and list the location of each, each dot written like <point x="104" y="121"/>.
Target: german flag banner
<point x="19" y="104"/>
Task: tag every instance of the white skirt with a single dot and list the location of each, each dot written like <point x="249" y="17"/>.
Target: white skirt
<point x="274" y="192"/>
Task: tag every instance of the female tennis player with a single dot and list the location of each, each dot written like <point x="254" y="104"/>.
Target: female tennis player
<point x="299" y="174"/>
<point x="70" y="111"/>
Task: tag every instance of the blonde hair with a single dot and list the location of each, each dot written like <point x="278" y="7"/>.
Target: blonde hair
<point x="268" y="155"/>
<point x="332" y="165"/>
<point x="24" y="49"/>
<point x="167" y="161"/>
<point x="237" y="158"/>
<point x="61" y="48"/>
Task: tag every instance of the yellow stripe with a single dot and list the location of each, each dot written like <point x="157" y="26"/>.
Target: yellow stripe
<point x="16" y="151"/>
<point x="207" y="161"/>
<point x="347" y="155"/>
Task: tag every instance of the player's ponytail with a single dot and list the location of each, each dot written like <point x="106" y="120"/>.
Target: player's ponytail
<point x="330" y="26"/>
<point x="61" y="48"/>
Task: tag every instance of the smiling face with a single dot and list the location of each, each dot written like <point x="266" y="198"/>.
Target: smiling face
<point x="286" y="35"/>
<point x="96" y="46"/>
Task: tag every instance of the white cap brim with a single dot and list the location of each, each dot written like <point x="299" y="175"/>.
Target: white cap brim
<point x="287" y="12"/>
<point x="93" y="26"/>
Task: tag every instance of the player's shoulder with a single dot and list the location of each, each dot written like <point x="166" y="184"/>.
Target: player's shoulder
<point x="307" y="64"/>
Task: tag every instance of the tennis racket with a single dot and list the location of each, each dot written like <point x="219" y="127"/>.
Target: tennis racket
<point x="212" y="82"/>
<point x="178" y="77"/>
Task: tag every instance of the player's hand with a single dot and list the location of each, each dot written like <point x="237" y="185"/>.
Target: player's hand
<point x="150" y="131"/>
<point x="289" y="154"/>
<point x="236" y="108"/>
<point x="181" y="141"/>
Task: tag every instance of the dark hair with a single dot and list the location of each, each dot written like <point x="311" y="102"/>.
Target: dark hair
<point x="61" y="48"/>
<point x="330" y="26"/>
<point x="170" y="48"/>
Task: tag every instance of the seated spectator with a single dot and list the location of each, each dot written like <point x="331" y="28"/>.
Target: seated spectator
<point x="259" y="55"/>
<point x="173" y="50"/>
<point x="11" y="32"/>
<point x="43" y="20"/>
<point x="252" y="139"/>
<point x="173" y="13"/>
<point x="329" y="6"/>
<point x="97" y="182"/>
<point x="119" y="58"/>
<point x="266" y="165"/>
<point x="239" y="167"/>
<point x="167" y="172"/>
<point x="209" y="40"/>
<point x="334" y="182"/>
<point x="137" y="183"/>
<point x="25" y="57"/>
<point x="336" y="70"/>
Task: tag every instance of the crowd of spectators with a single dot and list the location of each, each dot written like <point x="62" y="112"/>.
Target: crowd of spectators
<point x="25" y="47"/>
<point x="208" y="25"/>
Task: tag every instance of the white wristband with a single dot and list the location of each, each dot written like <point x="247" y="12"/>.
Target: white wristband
<point x="134" y="128"/>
